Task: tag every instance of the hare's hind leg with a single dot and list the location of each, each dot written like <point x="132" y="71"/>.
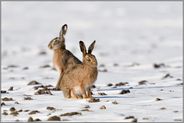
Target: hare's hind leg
<point x="78" y="92"/>
<point x="72" y="93"/>
<point x="88" y="92"/>
<point x="83" y="91"/>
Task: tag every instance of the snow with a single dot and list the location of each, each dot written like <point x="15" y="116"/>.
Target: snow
<point x="126" y="33"/>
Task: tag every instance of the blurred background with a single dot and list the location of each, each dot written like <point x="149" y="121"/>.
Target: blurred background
<point x="125" y="31"/>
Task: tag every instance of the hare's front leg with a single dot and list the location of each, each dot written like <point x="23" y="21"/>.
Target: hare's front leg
<point x="83" y="91"/>
<point x="88" y="93"/>
<point x="73" y="95"/>
<point x="78" y="92"/>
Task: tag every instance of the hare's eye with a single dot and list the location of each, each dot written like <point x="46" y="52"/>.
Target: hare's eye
<point x="55" y="42"/>
<point x="88" y="59"/>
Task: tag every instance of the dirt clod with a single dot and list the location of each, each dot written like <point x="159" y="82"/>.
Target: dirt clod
<point x="20" y="110"/>
<point x="7" y="99"/>
<point x="28" y="98"/>
<point x="45" y="66"/>
<point x="167" y="76"/>
<point x="178" y="79"/>
<point x="85" y="110"/>
<point x="26" y="110"/>
<point x="33" y="82"/>
<point x="37" y="119"/>
<point x="12" y="66"/>
<point x="163" y="108"/>
<point x="129" y="117"/>
<point x="102" y="93"/>
<point x="71" y="114"/>
<point x="3" y="92"/>
<point x="160" y="65"/>
<point x="46" y="87"/>
<point x="3" y="104"/>
<point x="17" y="102"/>
<point x="25" y="68"/>
<point x="51" y="108"/>
<point x="121" y="84"/>
<point x="42" y="53"/>
<point x="124" y="91"/>
<point x="134" y="120"/>
<point x="176" y="111"/>
<point x="114" y="102"/>
<point x="33" y="112"/>
<point x="54" y="118"/>
<point x="11" y="88"/>
<point x="86" y="106"/>
<point x="39" y="86"/>
<point x="92" y="100"/>
<point x="12" y="109"/>
<point x="110" y="84"/>
<point x="14" y="113"/>
<point x="5" y="113"/>
<point x="115" y="64"/>
<point x="30" y="119"/>
<point x="103" y="70"/>
<point x="142" y="82"/>
<point x="145" y="118"/>
<point x="102" y="65"/>
<point x="93" y="86"/>
<point x="158" y="99"/>
<point x="43" y="91"/>
<point x="103" y="107"/>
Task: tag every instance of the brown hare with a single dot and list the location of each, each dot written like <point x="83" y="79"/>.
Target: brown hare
<point x="77" y="81"/>
<point x="62" y="58"/>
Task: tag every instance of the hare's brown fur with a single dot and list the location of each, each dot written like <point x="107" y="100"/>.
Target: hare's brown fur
<point x="77" y="81"/>
<point x="62" y="58"/>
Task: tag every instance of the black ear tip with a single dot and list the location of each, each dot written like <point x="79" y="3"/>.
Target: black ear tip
<point x="65" y="26"/>
<point x="81" y="42"/>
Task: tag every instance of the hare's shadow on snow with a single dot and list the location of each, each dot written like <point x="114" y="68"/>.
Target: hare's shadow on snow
<point x="108" y="97"/>
<point x="127" y="88"/>
<point x="114" y="96"/>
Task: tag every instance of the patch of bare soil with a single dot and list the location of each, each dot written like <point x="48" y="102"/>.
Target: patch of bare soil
<point x="33" y="82"/>
<point x="71" y="114"/>
<point x="54" y="118"/>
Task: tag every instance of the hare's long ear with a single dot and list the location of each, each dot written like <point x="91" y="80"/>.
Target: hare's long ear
<point x="63" y="30"/>
<point x="82" y="47"/>
<point x="91" y="47"/>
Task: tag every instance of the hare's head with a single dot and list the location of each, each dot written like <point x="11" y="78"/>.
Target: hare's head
<point x="88" y="57"/>
<point x="59" y="42"/>
<point x="55" y="43"/>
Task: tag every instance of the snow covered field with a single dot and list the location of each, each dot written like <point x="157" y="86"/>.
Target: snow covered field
<point x="138" y="48"/>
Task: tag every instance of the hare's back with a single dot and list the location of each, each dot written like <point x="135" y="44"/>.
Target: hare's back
<point x="69" y="58"/>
